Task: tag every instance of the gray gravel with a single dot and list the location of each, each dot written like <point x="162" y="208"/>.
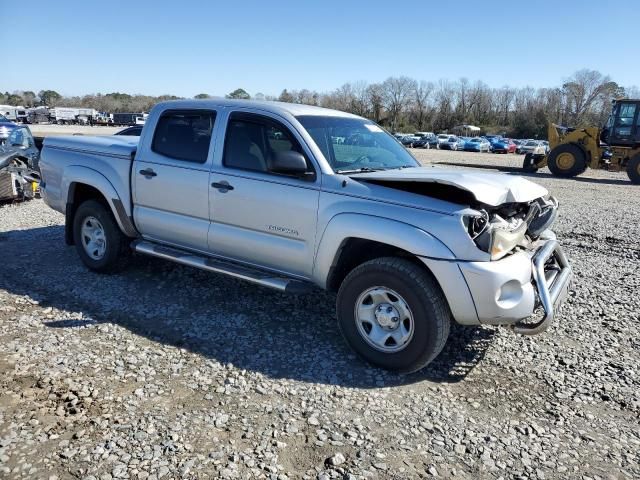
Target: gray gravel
<point x="169" y="372"/>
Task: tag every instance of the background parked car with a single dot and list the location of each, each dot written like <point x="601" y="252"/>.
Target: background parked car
<point x="477" y="144"/>
<point x="452" y="143"/>
<point x="502" y="145"/>
<point x="409" y="140"/>
<point x="528" y="147"/>
<point x="134" y="131"/>
<point x="428" y="140"/>
<point x="442" y="139"/>
<point x="546" y="145"/>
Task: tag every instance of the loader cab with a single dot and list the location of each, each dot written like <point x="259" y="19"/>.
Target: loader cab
<point x="623" y="126"/>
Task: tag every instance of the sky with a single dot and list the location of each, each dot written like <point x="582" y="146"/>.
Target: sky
<point x="186" y="47"/>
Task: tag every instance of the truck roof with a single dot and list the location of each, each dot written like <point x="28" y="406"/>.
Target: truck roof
<point x="280" y="108"/>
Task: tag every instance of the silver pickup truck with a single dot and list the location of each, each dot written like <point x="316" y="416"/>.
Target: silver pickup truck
<point x="292" y="196"/>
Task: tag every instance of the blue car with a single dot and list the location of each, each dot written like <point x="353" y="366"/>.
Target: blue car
<point x="6" y="127"/>
<point x="477" y="144"/>
<point x="502" y="145"/>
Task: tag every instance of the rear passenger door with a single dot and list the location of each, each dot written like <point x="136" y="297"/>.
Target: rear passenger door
<point x="170" y="179"/>
<point x="258" y="216"/>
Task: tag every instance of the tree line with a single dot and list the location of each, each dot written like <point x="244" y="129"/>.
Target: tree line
<point x="405" y="104"/>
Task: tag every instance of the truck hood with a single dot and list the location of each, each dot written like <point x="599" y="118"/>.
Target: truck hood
<point x="492" y="189"/>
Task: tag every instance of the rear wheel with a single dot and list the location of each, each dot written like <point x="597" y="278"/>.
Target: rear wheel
<point x="567" y="161"/>
<point x="633" y="169"/>
<point x="393" y="314"/>
<point x="101" y="245"/>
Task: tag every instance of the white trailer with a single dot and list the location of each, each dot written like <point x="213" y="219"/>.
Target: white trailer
<point x="69" y="115"/>
<point x="14" y="113"/>
<point x="10" y="112"/>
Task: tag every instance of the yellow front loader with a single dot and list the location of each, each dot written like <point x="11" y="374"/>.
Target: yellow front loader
<point x="614" y="147"/>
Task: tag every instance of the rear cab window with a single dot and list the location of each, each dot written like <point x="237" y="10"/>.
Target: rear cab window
<point x="184" y="135"/>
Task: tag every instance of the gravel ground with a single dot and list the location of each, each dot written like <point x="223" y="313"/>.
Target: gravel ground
<point x="169" y="372"/>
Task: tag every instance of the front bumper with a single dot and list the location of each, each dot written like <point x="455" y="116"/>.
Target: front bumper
<point x="511" y="291"/>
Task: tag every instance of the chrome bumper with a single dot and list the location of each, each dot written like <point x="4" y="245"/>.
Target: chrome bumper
<point x="552" y="275"/>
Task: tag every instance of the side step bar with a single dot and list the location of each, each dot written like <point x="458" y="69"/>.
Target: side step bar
<point x="284" y="284"/>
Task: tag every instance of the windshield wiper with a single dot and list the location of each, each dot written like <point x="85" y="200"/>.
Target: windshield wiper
<point x="360" y="170"/>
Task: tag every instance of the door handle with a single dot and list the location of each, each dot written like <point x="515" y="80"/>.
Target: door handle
<point x="222" y="186"/>
<point x="147" y="172"/>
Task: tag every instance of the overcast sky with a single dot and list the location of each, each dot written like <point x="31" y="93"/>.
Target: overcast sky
<point x="187" y="47"/>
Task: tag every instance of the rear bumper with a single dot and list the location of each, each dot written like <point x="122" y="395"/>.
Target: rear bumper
<point x="508" y="291"/>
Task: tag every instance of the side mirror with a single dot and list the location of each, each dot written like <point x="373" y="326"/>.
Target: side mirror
<point x="289" y="162"/>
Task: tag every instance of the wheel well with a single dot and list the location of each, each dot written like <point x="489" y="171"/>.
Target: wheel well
<point x="79" y="193"/>
<point x="356" y="251"/>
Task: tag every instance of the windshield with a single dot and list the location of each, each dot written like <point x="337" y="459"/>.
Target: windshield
<point x="531" y="144"/>
<point x="356" y="144"/>
<point x="475" y="140"/>
<point x="443" y="137"/>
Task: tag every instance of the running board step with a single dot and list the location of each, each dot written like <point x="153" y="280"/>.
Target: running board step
<point x="284" y="284"/>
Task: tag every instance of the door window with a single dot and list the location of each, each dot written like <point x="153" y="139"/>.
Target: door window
<point x="184" y="135"/>
<point x="624" y="120"/>
<point x="18" y="138"/>
<point x="253" y="140"/>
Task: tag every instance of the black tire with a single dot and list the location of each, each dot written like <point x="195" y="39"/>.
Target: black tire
<point x="417" y="287"/>
<point x="529" y="164"/>
<point x="117" y="244"/>
<point x="633" y="170"/>
<point x="557" y="165"/>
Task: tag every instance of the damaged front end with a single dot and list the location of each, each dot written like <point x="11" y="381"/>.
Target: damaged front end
<point x="18" y="180"/>
<point x="498" y="230"/>
<point x="524" y="229"/>
<point x="524" y="275"/>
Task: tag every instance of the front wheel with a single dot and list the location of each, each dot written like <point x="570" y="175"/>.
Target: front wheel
<point x="393" y="313"/>
<point x="567" y="161"/>
<point x="101" y="245"/>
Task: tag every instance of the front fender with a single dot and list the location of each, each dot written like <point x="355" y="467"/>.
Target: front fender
<point x="76" y="174"/>
<point x="378" y="229"/>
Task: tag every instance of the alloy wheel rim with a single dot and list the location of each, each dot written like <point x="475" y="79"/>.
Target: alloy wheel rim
<point x="94" y="240"/>
<point x="384" y="320"/>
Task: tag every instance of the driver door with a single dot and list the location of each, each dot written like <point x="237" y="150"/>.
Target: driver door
<point x="257" y="216"/>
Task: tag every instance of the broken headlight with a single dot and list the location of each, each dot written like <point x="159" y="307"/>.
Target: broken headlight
<point x="496" y="235"/>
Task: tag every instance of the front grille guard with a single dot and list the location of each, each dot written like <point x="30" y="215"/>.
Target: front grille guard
<point x="552" y="285"/>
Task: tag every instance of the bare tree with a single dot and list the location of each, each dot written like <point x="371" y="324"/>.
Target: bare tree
<point x="586" y="93"/>
<point x="375" y="96"/>
<point x="421" y="96"/>
<point x="396" y="95"/>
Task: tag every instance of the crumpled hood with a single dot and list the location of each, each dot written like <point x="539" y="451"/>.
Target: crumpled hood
<point x="489" y="188"/>
<point x="6" y="155"/>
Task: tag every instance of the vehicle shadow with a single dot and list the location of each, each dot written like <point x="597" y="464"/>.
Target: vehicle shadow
<point x="214" y="316"/>
<point x="519" y="171"/>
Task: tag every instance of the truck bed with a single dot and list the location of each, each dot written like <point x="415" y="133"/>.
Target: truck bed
<point x="113" y="145"/>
